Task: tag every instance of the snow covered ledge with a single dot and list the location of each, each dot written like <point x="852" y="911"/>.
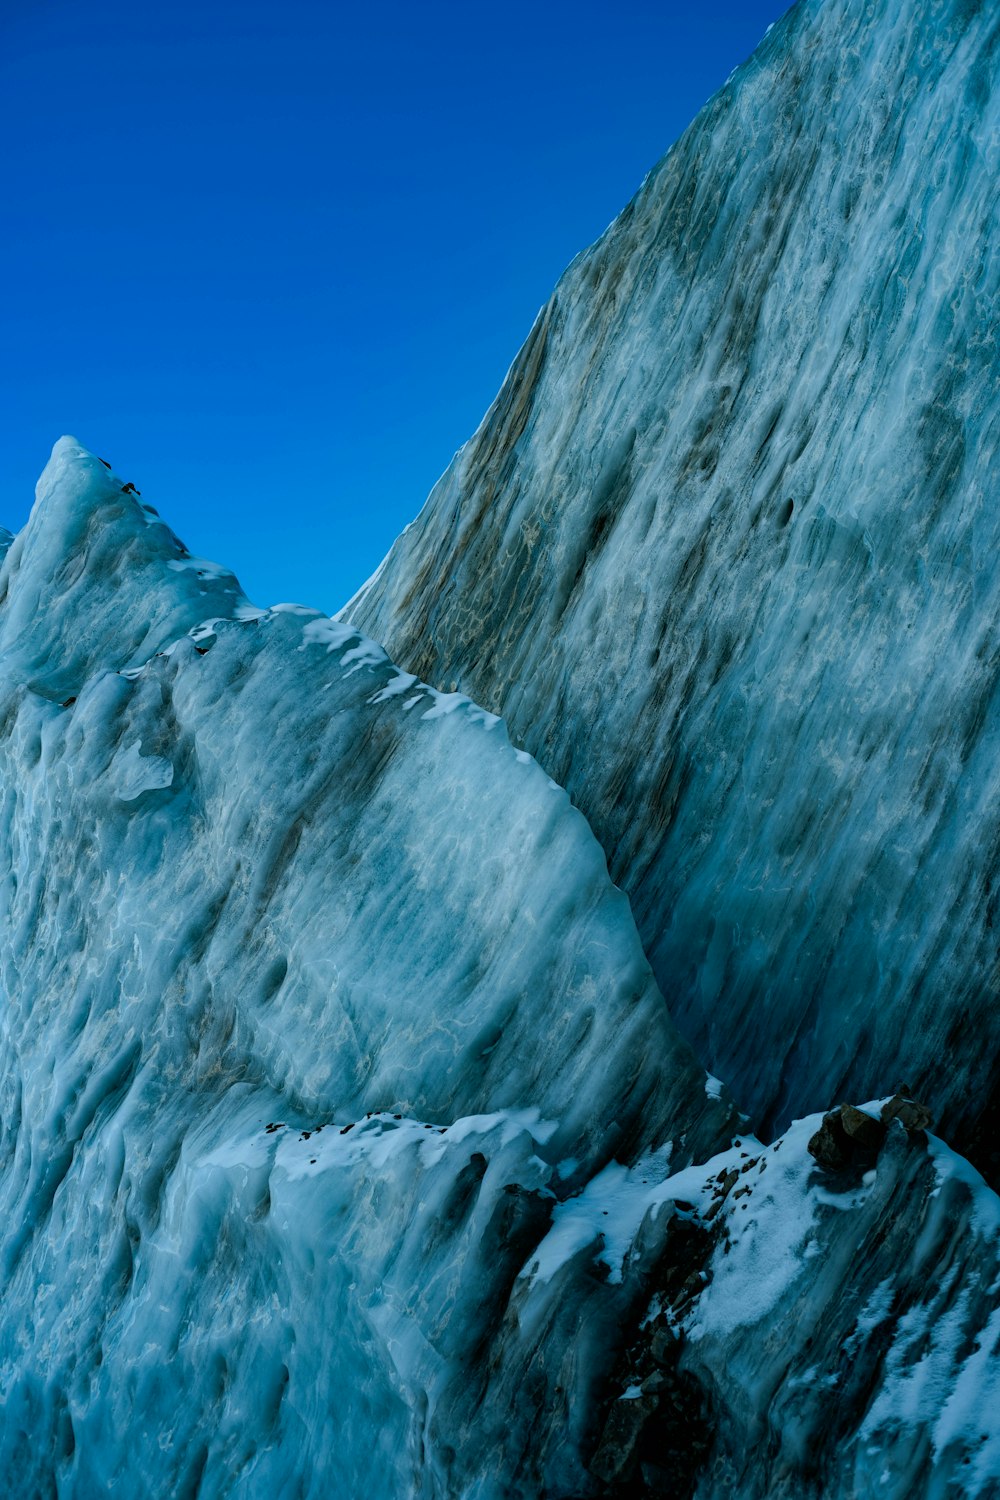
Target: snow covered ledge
<point x="804" y="1328"/>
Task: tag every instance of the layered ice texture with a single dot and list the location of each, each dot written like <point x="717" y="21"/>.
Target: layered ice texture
<point x="834" y="1337"/>
<point x="347" y="1145"/>
<point x="724" y="555"/>
<point x="318" y="1001"/>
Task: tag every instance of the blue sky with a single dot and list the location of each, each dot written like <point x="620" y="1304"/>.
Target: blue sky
<point x="273" y="259"/>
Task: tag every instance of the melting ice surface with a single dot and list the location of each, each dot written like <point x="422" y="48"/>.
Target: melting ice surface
<point x="724" y="555"/>
<point x="346" y="1145"/>
<point x="318" y="1000"/>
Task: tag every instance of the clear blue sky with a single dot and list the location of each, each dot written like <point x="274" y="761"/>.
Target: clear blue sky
<point x="273" y="258"/>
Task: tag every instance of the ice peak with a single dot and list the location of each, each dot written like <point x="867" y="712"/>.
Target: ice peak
<point x="125" y="583"/>
<point x="65" y="450"/>
<point x="74" y="479"/>
<point x="72" y="486"/>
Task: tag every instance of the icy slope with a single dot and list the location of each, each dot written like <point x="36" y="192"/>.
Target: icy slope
<point x="723" y="553"/>
<point x="346" y="1146"/>
<point x="809" y="1335"/>
<point x="255" y="881"/>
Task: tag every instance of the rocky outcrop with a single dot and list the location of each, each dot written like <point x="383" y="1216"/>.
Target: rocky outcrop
<point x="723" y="553"/>
<point x="849" y="1137"/>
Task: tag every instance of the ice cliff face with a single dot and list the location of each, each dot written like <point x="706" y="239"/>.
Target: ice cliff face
<point x="346" y="1144"/>
<point x="723" y="553"/>
<point x="318" y="1001"/>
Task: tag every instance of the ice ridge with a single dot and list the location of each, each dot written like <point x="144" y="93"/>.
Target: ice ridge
<point x="317" y="999"/>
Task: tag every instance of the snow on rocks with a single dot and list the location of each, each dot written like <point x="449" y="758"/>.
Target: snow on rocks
<point x="799" y="1326"/>
<point x="841" y="1331"/>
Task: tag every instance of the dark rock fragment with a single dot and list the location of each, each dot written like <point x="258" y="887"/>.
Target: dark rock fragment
<point x="831" y="1145"/>
<point x="662" y="1346"/>
<point x="861" y="1128"/>
<point x="909" y="1112"/>
<point x="847" y="1139"/>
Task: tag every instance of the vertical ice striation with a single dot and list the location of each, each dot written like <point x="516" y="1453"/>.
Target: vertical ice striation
<point x="317" y="1001"/>
<point x="724" y="554"/>
<point x="346" y="1144"/>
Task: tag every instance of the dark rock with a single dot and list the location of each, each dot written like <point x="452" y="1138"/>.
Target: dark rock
<point x="663" y="1346"/>
<point x="862" y="1129"/>
<point x="656" y="1443"/>
<point x="847" y="1138"/>
<point x="616" y="1457"/>
<point x="908" y="1112"/>
<point x="831" y="1145"/>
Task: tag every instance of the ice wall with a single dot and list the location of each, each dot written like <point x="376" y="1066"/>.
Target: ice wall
<point x="347" y="1147"/>
<point x="317" y="1001"/>
<point x="723" y="553"/>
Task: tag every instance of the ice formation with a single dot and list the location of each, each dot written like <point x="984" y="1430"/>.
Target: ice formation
<point x="319" y="1000"/>
<point x="348" y="1147"/>
<point x="346" y="1144"/>
<point x="723" y="554"/>
<point x="813" y="1334"/>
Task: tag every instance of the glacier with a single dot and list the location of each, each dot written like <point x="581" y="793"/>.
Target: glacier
<point x="723" y="554"/>
<point x="346" y="1143"/>
<point x="318" y="1001"/>
<point x="356" y="1136"/>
